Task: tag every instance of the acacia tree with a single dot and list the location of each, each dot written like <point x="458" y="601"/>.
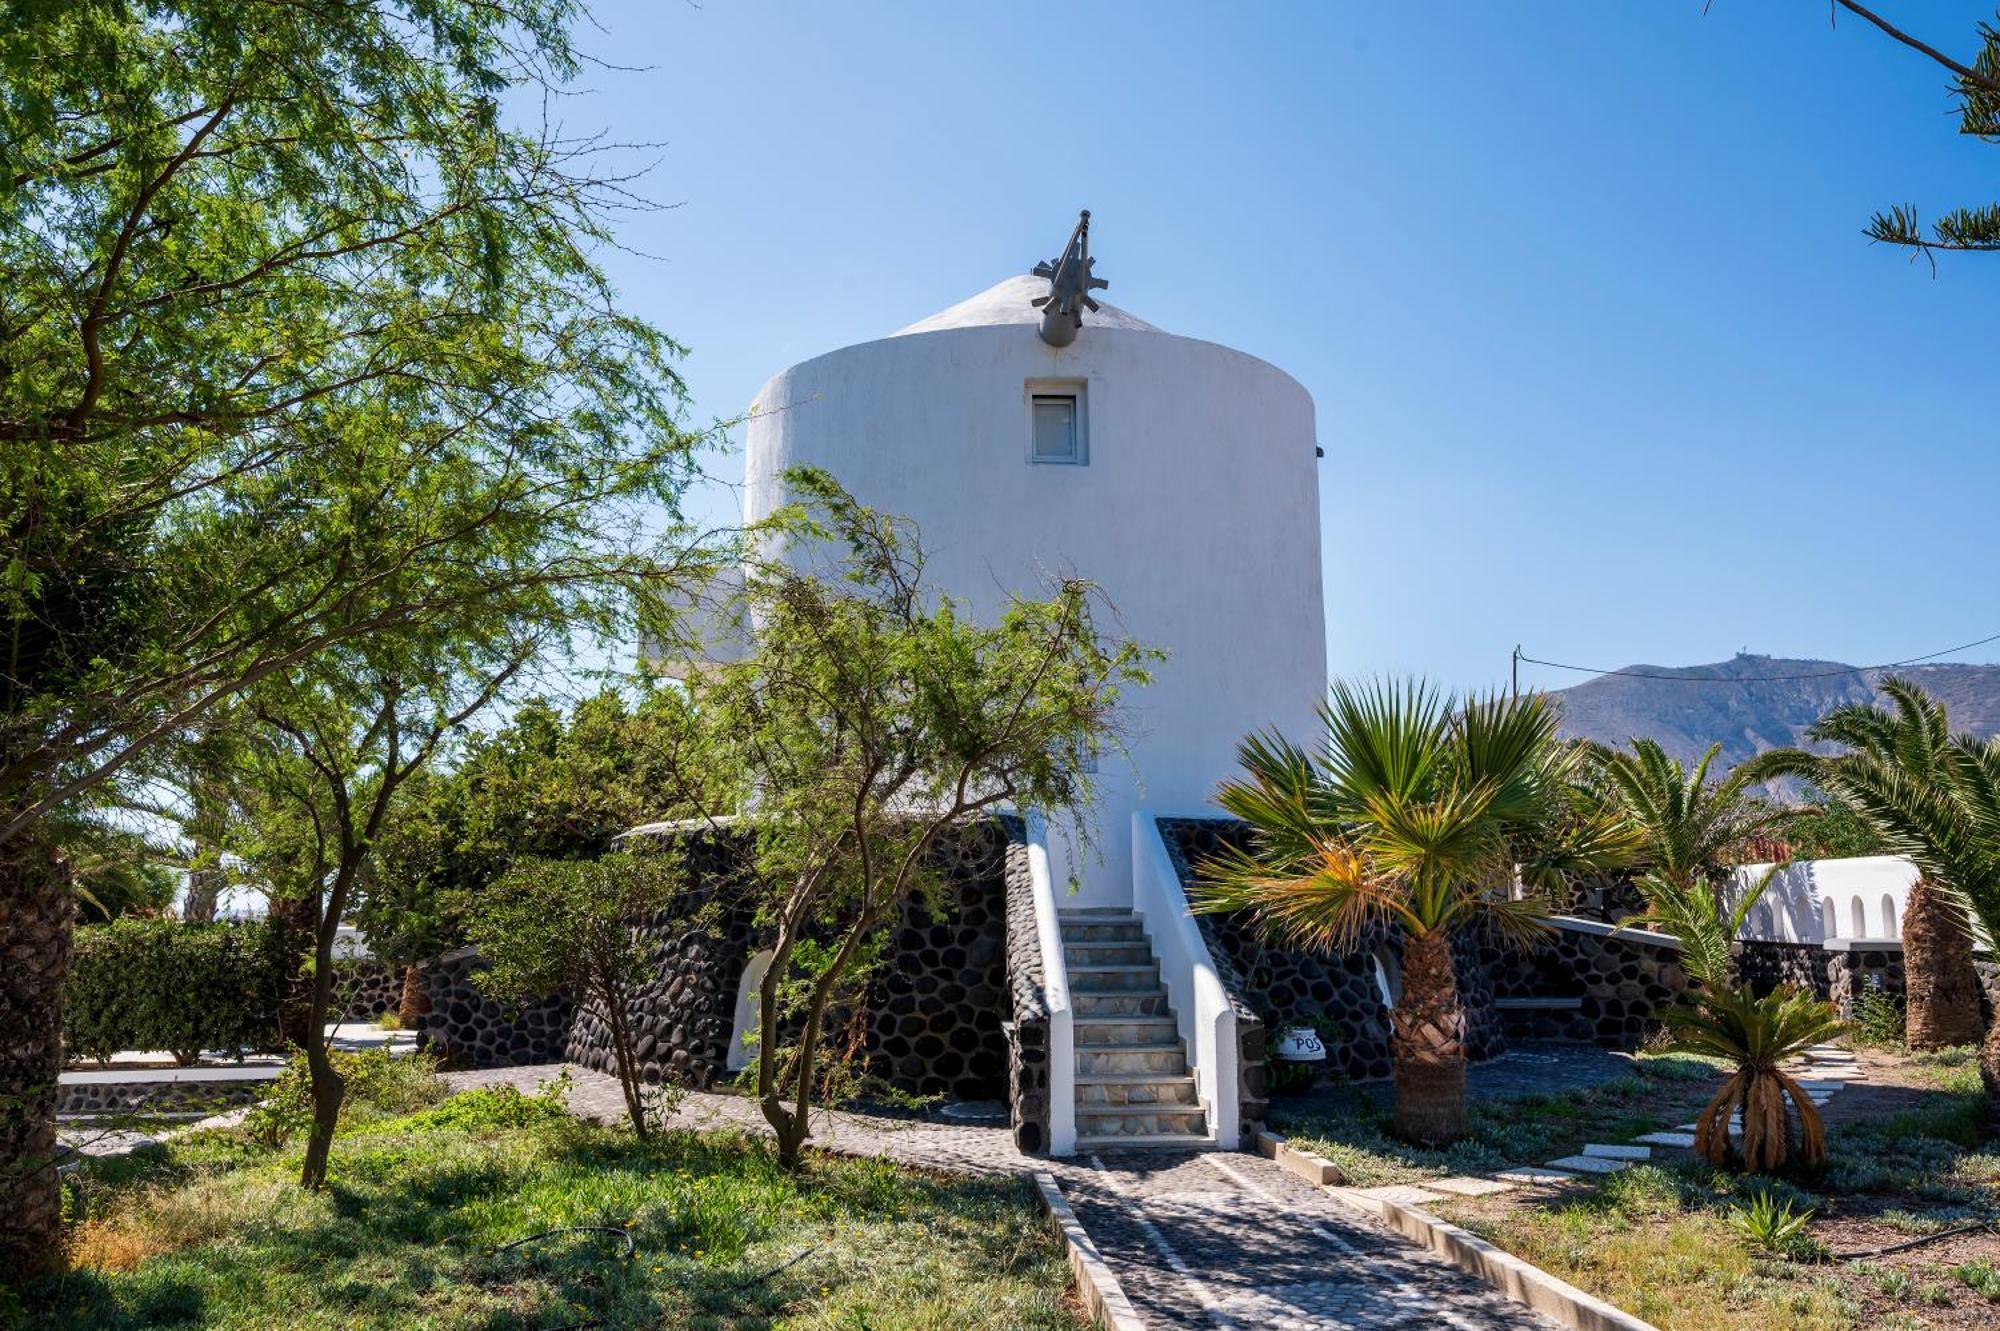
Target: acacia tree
<point x="1976" y="84"/>
<point x="347" y="737"/>
<point x="300" y="342"/>
<point x="871" y="716"/>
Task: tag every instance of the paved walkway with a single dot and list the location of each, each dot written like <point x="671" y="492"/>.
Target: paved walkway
<point x="1196" y="1239"/>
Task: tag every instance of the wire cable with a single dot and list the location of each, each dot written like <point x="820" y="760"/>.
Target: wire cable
<point x="1757" y="679"/>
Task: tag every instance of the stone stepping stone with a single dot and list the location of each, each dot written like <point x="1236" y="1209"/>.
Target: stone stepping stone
<point x="1590" y="1164"/>
<point x="1469" y="1187"/>
<point x="1403" y="1194"/>
<point x="1682" y="1139"/>
<point x="1534" y="1174"/>
<point x="1618" y="1152"/>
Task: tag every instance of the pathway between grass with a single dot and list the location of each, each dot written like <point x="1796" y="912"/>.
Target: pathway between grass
<point x="1196" y="1239"/>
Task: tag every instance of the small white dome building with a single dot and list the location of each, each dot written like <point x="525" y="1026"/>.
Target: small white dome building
<point x="1177" y="474"/>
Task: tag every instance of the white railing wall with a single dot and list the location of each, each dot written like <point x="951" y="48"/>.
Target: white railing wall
<point x="1194" y="989"/>
<point x="1055" y="988"/>
<point x="1814" y="901"/>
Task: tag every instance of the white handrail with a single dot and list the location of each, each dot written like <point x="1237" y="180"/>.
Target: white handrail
<point x="1207" y="1020"/>
<point x="1055" y="988"/>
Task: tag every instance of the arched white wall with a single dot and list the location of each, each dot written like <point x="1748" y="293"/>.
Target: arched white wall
<point x="1814" y="900"/>
<point x="1197" y="513"/>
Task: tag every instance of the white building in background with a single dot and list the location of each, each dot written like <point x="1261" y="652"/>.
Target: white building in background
<point x="1028" y="439"/>
<point x="1819" y="901"/>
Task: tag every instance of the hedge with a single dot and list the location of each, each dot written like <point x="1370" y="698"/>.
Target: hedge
<point x="161" y="984"/>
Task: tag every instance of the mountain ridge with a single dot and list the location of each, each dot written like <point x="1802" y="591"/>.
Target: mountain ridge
<point x="1757" y="712"/>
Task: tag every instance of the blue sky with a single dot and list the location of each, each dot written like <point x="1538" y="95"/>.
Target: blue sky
<point x="1603" y="363"/>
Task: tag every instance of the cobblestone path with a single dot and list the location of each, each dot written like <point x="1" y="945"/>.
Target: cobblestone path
<point x="1215" y="1240"/>
<point x="1196" y="1239"/>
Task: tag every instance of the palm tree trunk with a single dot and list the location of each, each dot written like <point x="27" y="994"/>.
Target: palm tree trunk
<point x="1989" y="1076"/>
<point x="1941" y="988"/>
<point x="36" y="923"/>
<point x="1428" y="1043"/>
<point x="410" y="1010"/>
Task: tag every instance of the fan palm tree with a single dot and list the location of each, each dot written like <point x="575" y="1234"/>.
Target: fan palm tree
<point x="1692" y="828"/>
<point x="1936" y="799"/>
<point x="1755" y="1035"/>
<point x="1416" y="815"/>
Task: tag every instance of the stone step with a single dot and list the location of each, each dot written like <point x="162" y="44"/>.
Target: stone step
<point x="1120" y="1002"/>
<point x="1155" y="1141"/>
<point x="1101" y="1121"/>
<point x="1103" y="931"/>
<point x="1126" y="1030"/>
<point x="1164" y="1059"/>
<point x="1135" y="1088"/>
<point x="1097" y="979"/>
<point x="1137" y="952"/>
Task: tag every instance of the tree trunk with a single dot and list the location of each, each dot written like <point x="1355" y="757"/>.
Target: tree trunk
<point x="616" y="1018"/>
<point x="1428" y="1043"/>
<point x="329" y="1088"/>
<point x="410" y="1011"/>
<point x="1989" y="1076"/>
<point x="204" y="889"/>
<point x="1941" y="989"/>
<point x="299" y="917"/>
<point x="36" y="923"/>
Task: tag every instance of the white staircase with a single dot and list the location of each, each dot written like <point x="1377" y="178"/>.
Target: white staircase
<point x="1133" y="1087"/>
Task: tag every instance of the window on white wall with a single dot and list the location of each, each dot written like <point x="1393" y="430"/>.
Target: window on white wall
<point x="1860" y="914"/>
<point x="1889" y="928"/>
<point x="1829" y="918"/>
<point x="1058" y="429"/>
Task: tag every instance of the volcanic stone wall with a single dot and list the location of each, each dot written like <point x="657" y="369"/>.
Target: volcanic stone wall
<point x="683" y="1016"/>
<point x="930" y="1022"/>
<point x="466" y="1028"/>
<point x="1851" y="971"/>
<point x="366" y="988"/>
<point x="1612" y="986"/>
<point x="1766" y="964"/>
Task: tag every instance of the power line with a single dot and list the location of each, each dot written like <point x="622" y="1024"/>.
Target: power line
<point x="1520" y="656"/>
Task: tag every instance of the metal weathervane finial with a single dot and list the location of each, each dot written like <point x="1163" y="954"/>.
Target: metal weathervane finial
<point x="1070" y="285"/>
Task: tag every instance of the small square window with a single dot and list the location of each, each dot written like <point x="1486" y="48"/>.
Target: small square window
<point x="1058" y="431"/>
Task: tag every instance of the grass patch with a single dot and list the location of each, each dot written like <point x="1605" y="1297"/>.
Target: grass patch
<point x="214" y="1234"/>
<point x="1351" y="1128"/>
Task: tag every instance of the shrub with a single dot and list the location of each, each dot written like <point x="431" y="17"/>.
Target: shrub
<point x="1766" y="1225"/>
<point x="378" y="1085"/>
<point x="1877" y="1018"/>
<point x="494" y="1108"/>
<point x="161" y="984"/>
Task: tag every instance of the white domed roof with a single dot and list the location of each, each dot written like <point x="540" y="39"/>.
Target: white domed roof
<point x="1008" y="303"/>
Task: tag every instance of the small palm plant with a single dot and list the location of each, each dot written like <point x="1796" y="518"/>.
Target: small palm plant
<point x="1413" y="815"/>
<point x="1756" y="1035"/>
<point x="1692" y="827"/>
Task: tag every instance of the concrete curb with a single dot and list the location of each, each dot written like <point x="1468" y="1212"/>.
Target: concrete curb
<point x="1518" y="1280"/>
<point x="1507" y="1273"/>
<point x="1106" y="1301"/>
<point x="1316" y="1170"/>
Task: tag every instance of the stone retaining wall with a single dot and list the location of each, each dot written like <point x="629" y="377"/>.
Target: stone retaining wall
<point x="1028" y="1000"/>
<point x="187" y="1094"/>
<point x="465" y="1028"/>
<point x="1613" y="985"/>
<point x="366" y="989"/>
<point x="1765" y="964"/>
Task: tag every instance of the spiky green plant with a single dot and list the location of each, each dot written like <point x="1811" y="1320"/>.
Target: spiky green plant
<point x="1413" y="814"/>
<point x="1755" y="1035"/>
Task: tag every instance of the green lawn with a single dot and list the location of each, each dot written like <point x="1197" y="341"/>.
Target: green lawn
<point x="214" y="1234"/>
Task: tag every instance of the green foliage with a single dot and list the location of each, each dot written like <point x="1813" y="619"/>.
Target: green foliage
<point x="305" y="342"/>
<point x="1413" y="813"/>
<point x="1767" y="1225"/>
<point x="379" y="1085"/>
<point x="1690" y="828"/>
<point x="495" y="1109"/>
<point x="565" y="926"/>
<point x="1830" y="829"/>
<point x="1982" y="1277"/>
<point x="1877" y="1018"/>
<point x="545" y="785"/>
<point x="161" y="984"/>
